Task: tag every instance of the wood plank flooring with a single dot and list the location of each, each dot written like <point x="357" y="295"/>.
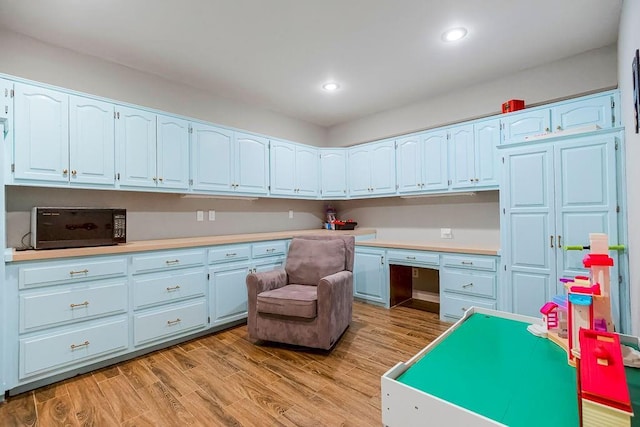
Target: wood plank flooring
<point x="225" y="380"/>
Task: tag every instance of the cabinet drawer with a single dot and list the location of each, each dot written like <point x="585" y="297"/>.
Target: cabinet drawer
<point x="229" y="253"/>
<point x="65" y="272"/>
<point x="47" y="352"/>
<point x="476" y="263"/>
<point x="413" y="258"/>
<point x="455" y="306"/>
<point x="71" y="304"/>
<point x="167" y="261"/>
<point x="169" y="286"/>
<point x="260" y="250"/>
<point x="468" y="282"/>
<point x="169" y="321"/>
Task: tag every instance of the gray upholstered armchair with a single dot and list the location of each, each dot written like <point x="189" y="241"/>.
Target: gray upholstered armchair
<point x="309" y="303"/>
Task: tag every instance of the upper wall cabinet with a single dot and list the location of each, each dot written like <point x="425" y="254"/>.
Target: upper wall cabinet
<point x="294" y="169"/>
<point x="421" y="162"/>
<point x="473" y="155"/>
<point x="372" y="169"/>
<point x="226" y="161"/>
<point x="41" y="135"/>
<point x="91" y="141"/>
<point x="333" y="173"/>
<point x="154" y="150"/>
<point x="598" y="111"/>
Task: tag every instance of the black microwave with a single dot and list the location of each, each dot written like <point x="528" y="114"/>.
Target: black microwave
<point x="57" y="228"/>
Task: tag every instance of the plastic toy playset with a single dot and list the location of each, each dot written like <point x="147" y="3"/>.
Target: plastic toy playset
<point x="581" y="323"/>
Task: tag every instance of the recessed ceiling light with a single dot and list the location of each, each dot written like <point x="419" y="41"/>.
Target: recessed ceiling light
<point x="454" y="34"/>
<point x="331" y="86"/>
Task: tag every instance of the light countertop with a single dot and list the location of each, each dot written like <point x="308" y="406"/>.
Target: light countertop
<point x="179" y="243"/>
<point x="430" y="246"/>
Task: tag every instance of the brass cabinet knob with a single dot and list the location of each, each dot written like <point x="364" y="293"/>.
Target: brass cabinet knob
<point x="74" y="172"/>
<point x="64" y="171"/>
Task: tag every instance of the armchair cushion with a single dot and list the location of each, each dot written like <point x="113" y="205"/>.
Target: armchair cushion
<point x="311" y="260"/>
<point x="290" y="300"/>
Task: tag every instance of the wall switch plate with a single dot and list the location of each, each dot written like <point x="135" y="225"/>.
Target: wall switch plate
<point x="212" y="215"/>
<point x="290" y="213"/>
<point x="445" y="233"/>
<point x="415" y="273"/>
<point x="199" y="215"/>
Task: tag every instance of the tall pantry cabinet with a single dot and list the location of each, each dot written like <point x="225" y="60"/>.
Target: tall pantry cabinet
<point x="553" y="194"/>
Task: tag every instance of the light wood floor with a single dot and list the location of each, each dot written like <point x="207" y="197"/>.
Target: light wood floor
<point x="223" y="379"/>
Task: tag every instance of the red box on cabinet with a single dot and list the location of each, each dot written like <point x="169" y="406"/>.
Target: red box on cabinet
<point x="513" y="105"/>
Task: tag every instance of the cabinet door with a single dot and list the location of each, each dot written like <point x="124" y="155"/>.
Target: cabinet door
<point x="369" y="276"/>
<point x="136" y="141"/>
<point x="307" y="161"/>
<point x="6" y="107"/>
<point x="487" y="138"/>
<point x="586" y="202"/>
<point x="383" y="168"/>
<point x="515" y="127"/>
<point x="435" y="159"/>
<point x="462" y="157"/>
<point x="228" y="293"/>
<point x="283" y="172"/>
<point x="593" y="111"/>
<point x="251" y="164"/>
<point x="409" y="161"/>
<point x="91" y="141"/>
<point x="528" y="223"/>
<point x="41" y="134"/>
<point x="212" y="158"/>
<point x="333" y="173"/>
<point x="359" y="171"/>
<point x="172" y="153"/>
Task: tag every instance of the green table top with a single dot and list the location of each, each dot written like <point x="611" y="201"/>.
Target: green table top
<point x="496" y="368"/>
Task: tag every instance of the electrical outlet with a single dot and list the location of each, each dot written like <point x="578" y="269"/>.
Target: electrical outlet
<point x="212" y="215"/>
<point x="290" y="213"/>
<point x="445" y="233"/>
<point x="415" y="273"/>
<point x="199" y="215"/>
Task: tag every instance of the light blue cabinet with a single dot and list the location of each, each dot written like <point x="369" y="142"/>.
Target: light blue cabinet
<point x="212" y="158"/>
<point x="41" y="134"/>
<point x="294" y="169"/>
<point x="136" y="142"/>
<point x="228" y="292"/>
<point x="370" y="277"/>
<point x="172" y="156"/>
<point x="226" y="161"/>
<point x="554" y="195"/>
<point x="91" y="141"/>
<point x="473" y="155"/>
<point x="421" y="162"/>
<point x="372" y="169"/>
<point x="154" y="150"/>
<point x="333" y="173"/>
<point x="601" y="111"/>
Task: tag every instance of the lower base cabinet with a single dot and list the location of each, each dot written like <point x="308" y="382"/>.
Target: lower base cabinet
<point x="228" y="293"/>
<point x="370" y="276"/>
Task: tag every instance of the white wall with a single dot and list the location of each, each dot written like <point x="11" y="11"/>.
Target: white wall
<point x="31" y="59"/>
<point x="628" y="42"/>
<point x="579" y="74"/>
<point x="159" y="216"/>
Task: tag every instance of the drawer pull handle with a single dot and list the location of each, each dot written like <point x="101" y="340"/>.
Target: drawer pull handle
<point x="85" y="271"/>
<point x="173" y="288"/>
<point x="75" y="346"/>
<point x="466" y="263"/>
<point x="173" y="322"/>
<point x="232" y="254"/>
<point x="464" y="309"/>
<point x="411" y="257"/>
<point x="83" y="304"/>
<point x="467" y="285"/>
<point x="271" y="250"/>
<point x="172" y="261"/>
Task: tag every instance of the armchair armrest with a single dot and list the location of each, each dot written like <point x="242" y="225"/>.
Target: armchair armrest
<point x="335" y="298"/>
<point x="265" y="281"/>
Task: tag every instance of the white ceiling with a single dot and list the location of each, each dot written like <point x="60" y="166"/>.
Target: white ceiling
<point x="275" y="54"/>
